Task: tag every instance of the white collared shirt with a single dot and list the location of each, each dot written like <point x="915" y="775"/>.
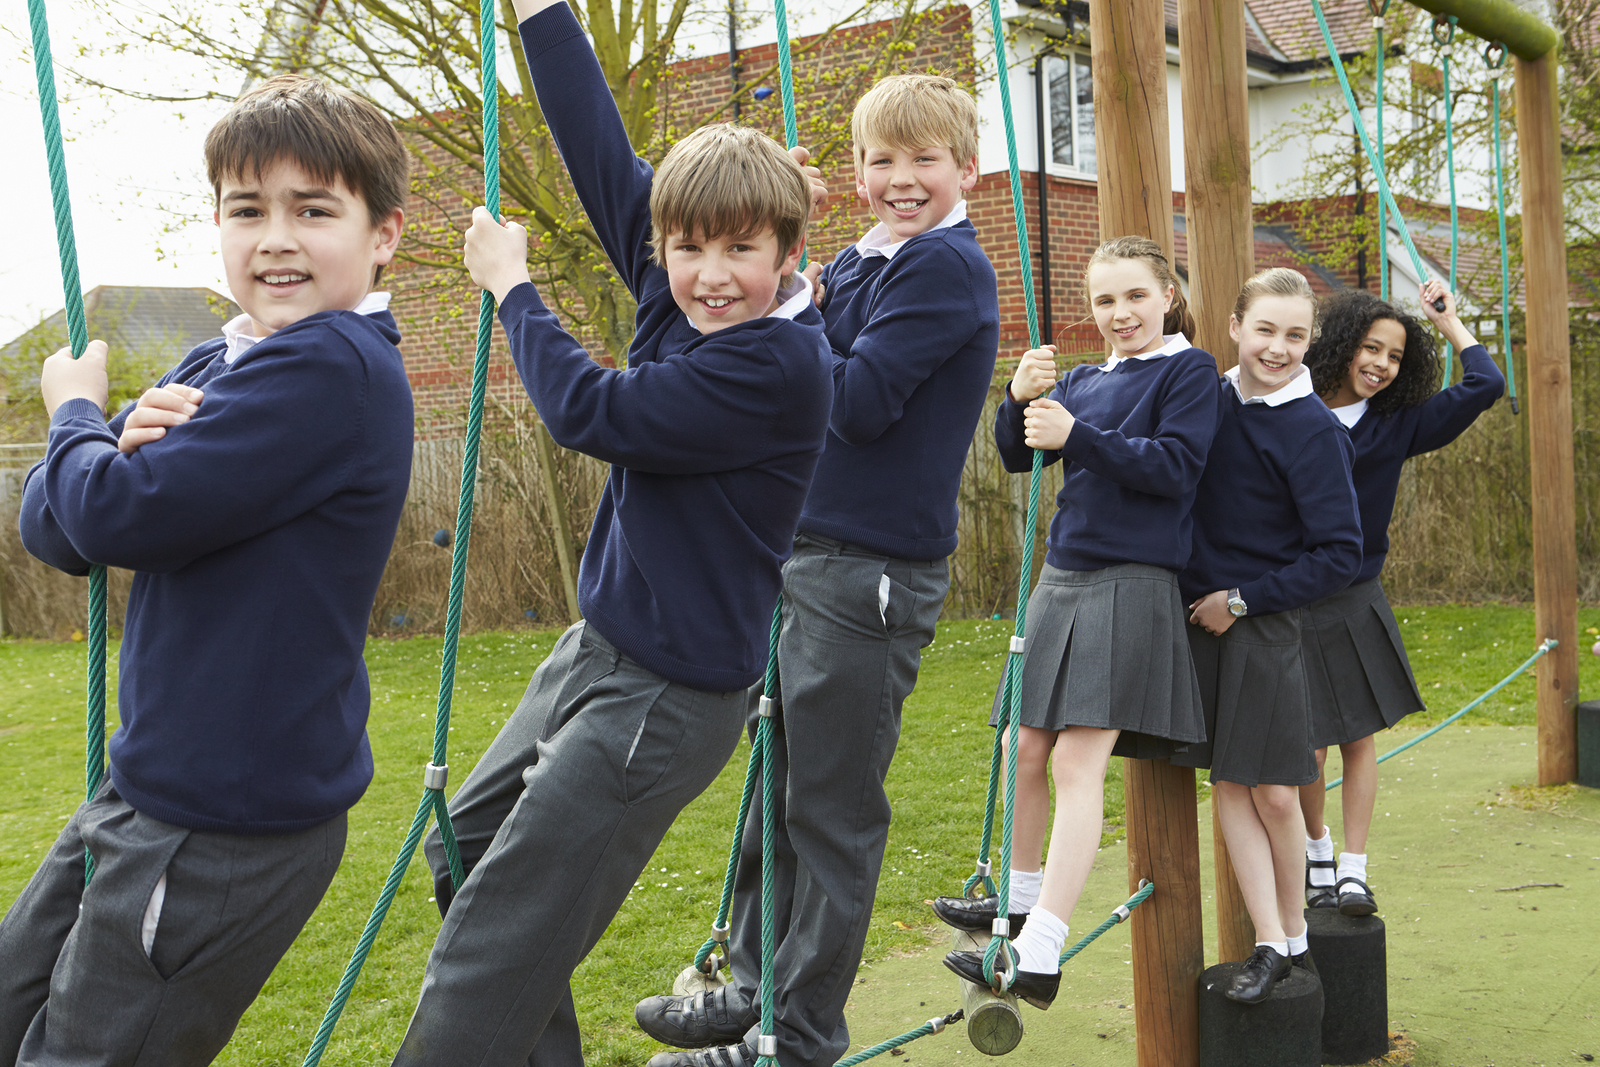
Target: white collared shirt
<point x="1351" y="414"/>
<point x="236" y="331"/>
<point x="1293" y="389"/>
<point x="1171" y="345"/>
<point x="876" y="241"/>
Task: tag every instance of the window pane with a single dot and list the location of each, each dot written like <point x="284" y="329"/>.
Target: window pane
<point x="1059" y="74"/>
<point x="1085" y="115"/>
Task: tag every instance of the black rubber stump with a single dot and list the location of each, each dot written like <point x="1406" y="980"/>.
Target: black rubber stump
<point x="1589" y="744"/>
<point x="1285" y="1030"/>
<point x="1350" y="956"/>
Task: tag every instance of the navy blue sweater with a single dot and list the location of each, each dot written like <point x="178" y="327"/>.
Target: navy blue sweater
<point x="914" y="341"/>
<point x="258" y="531"/>
<point x="712" y="438"/>
<point x="1275" y="514"/>
<point x="1133" y="459"/>
<point x="1384" y="444"/>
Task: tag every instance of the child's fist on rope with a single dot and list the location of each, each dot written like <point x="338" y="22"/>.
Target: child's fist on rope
<point x="1036" y="374"/>
<point x="63" y="378"/>
<point x="496" y="254"/>
<point x="158" y="409"/>
<point x="1046" y="425"/>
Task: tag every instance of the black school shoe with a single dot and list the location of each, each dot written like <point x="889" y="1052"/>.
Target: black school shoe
<point x="736" y="1055"/>
<point x="695" y="1020"/>
<point x="1263" y="970"/>
<point x="1035" y="988"/>
<point x="1304" y="961"/>
<point x="975" y="913"/>
<point x="1354" y="897"/>
<point x="1321" y="896"/>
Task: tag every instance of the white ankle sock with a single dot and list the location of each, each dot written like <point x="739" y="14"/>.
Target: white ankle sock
<point x="1300" y="944"/>
<point x="1025" y="890"/>
<point x="1280" y="947"/>
<point x="1039" y="945"/>
<point x="1353" y="865"/>
<point x="1320" y="849"/>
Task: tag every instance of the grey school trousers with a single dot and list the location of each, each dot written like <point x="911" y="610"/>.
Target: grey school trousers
<point x="572" y="799"/>
<point x="76" y="987"/>
<point x="854" y="627"/>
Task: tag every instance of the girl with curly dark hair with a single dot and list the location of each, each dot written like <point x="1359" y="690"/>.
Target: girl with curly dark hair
<point x="1377" y="368"/>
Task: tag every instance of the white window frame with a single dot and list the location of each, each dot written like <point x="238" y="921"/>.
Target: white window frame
<point x="1080" y="70"/>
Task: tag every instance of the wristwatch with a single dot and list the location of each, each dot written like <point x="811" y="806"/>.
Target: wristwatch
<point x="1236" y="606"/>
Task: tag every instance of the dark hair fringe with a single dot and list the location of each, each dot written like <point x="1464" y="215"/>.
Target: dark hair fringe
<point x="1343" y="320"/>
<point x="329" y="131"/>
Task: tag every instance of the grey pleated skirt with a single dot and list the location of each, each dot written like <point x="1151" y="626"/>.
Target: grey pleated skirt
<point x="1257" y="707"/>
<point x="1356" y="666"/>
<point x="1107" y="649"/>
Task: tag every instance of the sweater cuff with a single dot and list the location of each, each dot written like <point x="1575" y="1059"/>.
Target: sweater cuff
<point x="550" y="28"/>
<point x="522" y="298"/>
<point x="1080" y="440"/>
<point x="77" y="408"/>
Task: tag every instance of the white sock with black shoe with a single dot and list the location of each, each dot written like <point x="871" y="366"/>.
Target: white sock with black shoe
<point x="1280" y="947"/>
<point x="1038" y="947"/>
<point x="1353" y="865"/>
<point x="1301" y="944"/>
<point x="1025" y="890"/>
<point x="1320" y="849"/>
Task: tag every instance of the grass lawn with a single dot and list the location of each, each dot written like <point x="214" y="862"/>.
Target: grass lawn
<point x="937" y="787"/>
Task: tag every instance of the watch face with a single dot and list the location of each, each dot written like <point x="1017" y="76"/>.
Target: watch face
<point x="1236" y="608"/>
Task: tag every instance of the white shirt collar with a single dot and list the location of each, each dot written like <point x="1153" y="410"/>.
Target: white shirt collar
<point x="1350" y="414"/>
<point x="795" y="297"/>
<point x="1293" y="389"/>
<point x="1172" y="344"/>
<point x="876" y="242"/>
<point x="240" y="339"/>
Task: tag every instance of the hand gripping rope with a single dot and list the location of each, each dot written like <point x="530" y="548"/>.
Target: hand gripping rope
<point x="78" y="338"/>
<point x="1375" y="158"/>
<point x="436" y="773"/>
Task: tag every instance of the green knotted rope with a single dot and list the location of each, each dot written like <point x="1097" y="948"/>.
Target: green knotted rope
<point x="1544" y="648"/>
<point x="1447" y="51"/>
<point x="433" y="799"/>
<point x="78" y="338"/>
<point x="1495" y="57"/>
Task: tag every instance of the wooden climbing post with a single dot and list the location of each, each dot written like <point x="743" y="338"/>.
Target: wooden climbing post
<point x="1216" y="171"/>
<point x="1128" y="49"/>
<point x="1547" y="358"/>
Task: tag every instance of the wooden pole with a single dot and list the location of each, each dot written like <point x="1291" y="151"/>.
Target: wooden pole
<point x="1548" y="359"/>
<point x="1128" y="50"/>
<point x="1216" y="169"/>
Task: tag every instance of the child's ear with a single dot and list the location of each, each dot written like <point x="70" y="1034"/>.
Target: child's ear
<point x="861" y="185"/>
<point x="1233" y="327"/>
<point x="386" y="237"/>
<point x="1171" y="294"/>
<point x="969" y="174"/>
<point x="791" y="261"/>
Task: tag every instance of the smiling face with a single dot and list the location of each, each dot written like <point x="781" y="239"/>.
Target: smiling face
<point x="293" y="245"/>
<point x="719" y="281"/>
<point x="911" y="190"/>
<point x="1129" y="305"/>
<point x="1272" y="342"/>
<point x="1374" y="366"/>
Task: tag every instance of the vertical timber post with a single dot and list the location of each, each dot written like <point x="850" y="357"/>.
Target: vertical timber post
<point x="1128" y="48"/>
<point x="1549" y="365"/>
<point x="1216" y="168"/>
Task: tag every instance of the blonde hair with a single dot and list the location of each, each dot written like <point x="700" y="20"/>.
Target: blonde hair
<point x="733" y="180"/>
<point x="916" y="111"/>
<point x="1274" y="281"/>
<point x="1178" y="319"/>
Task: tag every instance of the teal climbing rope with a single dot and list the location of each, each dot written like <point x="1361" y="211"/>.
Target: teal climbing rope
<point x="1495" y="57"/>
<point x="1544" y="647"/>
<point x="1119" y="914"/>
<point x="1379" y="9"/>
<point x="94" y="735"/>
<point x="1447" y="53"/>
<point x="1000" y="979"/>
<point x="435" y="775"/>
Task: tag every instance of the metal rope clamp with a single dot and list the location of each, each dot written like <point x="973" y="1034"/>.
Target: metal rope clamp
<point x="936" y="1024"/>
<point x="766" y="1045"/>
<point x="1004" y="977"/>
<point x="435" y="776"/>
<point x="979" y="874"/>
<point x="764" y="707"/>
